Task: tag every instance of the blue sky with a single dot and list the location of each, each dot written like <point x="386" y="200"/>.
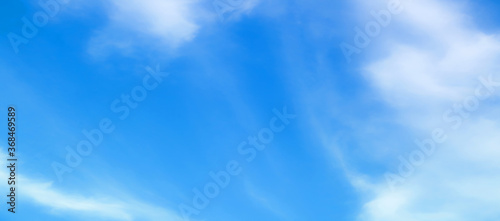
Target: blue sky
<point x="405" y="128"/>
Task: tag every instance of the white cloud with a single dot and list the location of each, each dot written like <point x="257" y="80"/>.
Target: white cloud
<point x="422" y="78"/>
<point x="102" y="207"/>
<point x="173" y="21"/>
<point x="166" y="23"/>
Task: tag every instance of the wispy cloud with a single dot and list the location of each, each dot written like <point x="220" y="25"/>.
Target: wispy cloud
<point x="266" y="201"/>
<point x="78" y="206"/>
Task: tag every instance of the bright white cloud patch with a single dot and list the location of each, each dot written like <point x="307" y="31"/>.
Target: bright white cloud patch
<point x="422" y="78"/>
<point x="167" y="23"/>
<point x="171" y="20"/>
